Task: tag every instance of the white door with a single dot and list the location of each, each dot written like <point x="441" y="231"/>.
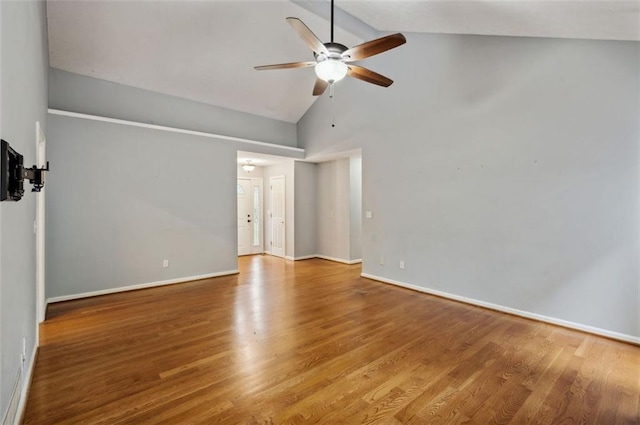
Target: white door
<point x="244" y="216"/>
<point x="41" y="161"/>
<point x="277" y="216"/>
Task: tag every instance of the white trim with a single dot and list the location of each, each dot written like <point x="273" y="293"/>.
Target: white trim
<point x="304" y="257"/>
<point x="322" y="257"/>
<point x="284" y="215"/>
<point x="340" y="260"/>
<point x="26" y="386"/>
<point x="325" y="257"/>
<point x="528" y="315"/>
<point x="139" y="286"/>
<point x="41" y="305"/>
<point x="171" y="129"/>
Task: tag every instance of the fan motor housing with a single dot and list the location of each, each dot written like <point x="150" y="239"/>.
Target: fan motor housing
<point x="335" y="50"/>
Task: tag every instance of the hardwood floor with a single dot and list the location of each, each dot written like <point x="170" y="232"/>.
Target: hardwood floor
<point x="312" y="342"/>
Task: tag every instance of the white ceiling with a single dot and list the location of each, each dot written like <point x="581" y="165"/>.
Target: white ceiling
<point x="199" y="50"/>
<point x="588" y="19"/>
<point x="260" y="159"/>
<point x="206" y="50"/>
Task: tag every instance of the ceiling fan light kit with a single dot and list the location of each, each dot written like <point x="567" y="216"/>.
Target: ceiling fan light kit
<point x="333" y="60"/>
<point x="331" y="70"/>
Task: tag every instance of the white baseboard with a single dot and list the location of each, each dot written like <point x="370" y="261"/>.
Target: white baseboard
<point x="26" y="386"/>
<point x="324" y="257"/>
<point x="528" y="315"/>
<point x="139" y="286"/>
<point x="305" y="257"/>
<point x="339" y="260"/>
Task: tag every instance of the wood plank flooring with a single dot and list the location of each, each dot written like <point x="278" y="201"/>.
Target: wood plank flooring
<point x="312" y="342"/>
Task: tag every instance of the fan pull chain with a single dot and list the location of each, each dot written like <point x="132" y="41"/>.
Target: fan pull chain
<point x="333" y="109"/>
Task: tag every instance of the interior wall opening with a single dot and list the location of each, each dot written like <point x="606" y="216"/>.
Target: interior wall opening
<point x="255" y="210"/>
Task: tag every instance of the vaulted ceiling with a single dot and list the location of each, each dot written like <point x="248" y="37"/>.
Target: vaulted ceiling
<point x="206" y="50"/>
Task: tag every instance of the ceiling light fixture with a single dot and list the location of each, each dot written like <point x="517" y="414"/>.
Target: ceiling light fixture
<point x="331" y="70"/>
<point x="248" y="167"/>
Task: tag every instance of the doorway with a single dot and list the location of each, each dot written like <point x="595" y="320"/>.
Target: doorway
<point x="270" y="224"/>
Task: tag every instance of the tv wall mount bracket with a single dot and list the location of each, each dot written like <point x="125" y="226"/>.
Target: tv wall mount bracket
<point x="13" y="174"/>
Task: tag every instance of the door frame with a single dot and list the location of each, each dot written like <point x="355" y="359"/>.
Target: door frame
<point x="41" y="160"/>
<point x="284" y="216"/>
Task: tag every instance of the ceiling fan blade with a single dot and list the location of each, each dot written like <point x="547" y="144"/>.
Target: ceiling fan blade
<point x="364" y="74"/>
<point x="319" y="87"/>
<point x="286" y="65"/>
<point x="308" y="36"/>
<point x="373" y="47"/>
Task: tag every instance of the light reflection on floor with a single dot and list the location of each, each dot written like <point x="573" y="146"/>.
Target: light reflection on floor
<point x="253" y="311"/>
<point x="267" y="309"/>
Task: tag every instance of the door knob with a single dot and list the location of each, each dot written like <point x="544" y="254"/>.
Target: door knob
<point x="248" y="221"/>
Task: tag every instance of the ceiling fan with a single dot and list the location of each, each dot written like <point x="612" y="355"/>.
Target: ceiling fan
<point x="333" y="61"/>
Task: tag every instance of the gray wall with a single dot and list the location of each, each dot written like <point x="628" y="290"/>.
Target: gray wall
<point x="501" y="169"/>
<point x="122" y="199"/>
<point x="283" y="169"/>
<point x="333" y="216"/>
<point x="339" y="209"/>
<point x="355" y="208"/>
<point x="77" y="93"/>
<point x="306" y="206"/>
<point x="24" y="58"/>
<point x="144" y="195"/>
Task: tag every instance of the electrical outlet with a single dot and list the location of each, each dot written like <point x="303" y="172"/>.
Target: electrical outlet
<point x="402" y="265"/>
<point x="382" y="261"/>
<point x="165" y="263"/>
<point x="369" y="214"/>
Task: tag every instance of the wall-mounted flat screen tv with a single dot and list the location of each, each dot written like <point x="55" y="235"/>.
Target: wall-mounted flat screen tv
<point x="11" y="176"/>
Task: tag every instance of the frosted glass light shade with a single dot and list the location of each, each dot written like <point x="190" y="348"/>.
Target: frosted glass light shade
<point x="331" y="70"/>
<point x="248" y="167"/>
